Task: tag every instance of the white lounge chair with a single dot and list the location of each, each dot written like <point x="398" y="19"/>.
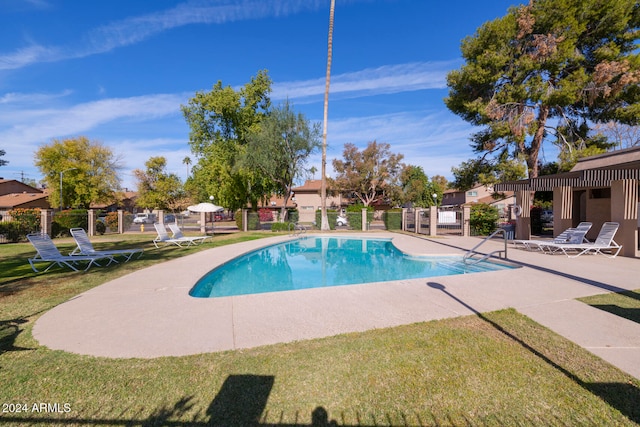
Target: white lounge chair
<point x="177" y="234"/>
<point x="86" y="248"/>
<point x="48" y="252"/>
<point x="163" y="237"/>
<point x="603" y="242"/>
<point x="574" y="235"/>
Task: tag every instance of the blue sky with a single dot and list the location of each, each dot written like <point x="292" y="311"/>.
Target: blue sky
<point x="118" y="71"/>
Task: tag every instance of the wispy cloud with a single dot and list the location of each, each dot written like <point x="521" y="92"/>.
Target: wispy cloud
<point x="136" y="29"/>
<point x="16" y="98"/>
<point x="435" y="141"/>
<point x="386" y="79"/>
<point x="27" y="127"/>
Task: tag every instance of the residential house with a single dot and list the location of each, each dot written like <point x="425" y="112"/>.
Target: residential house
<point x="307" y="199"/>
<point x="15" y="194"/>
<point x="480" y="194"/>
<point x="597" y="189"/>
<point x="127" y="202"/>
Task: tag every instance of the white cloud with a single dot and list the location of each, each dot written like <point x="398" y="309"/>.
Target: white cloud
<point x="16" y="98"/>
<point x="136" y="29"/>
<point x="24" y="128"/>
<point x="434" y="141"/>
<point x="386" y="79"/>
<point x="30" y="126"/>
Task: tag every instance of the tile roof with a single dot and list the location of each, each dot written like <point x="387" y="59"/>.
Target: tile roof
<point x="18" y="199"/>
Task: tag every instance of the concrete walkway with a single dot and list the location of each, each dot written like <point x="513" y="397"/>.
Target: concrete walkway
<point x="150" y="314"/>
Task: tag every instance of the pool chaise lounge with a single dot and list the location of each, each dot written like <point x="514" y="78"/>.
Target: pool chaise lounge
<point x="163" y="237"/>
<point x="86" y="248"/>
<point x="48" y="252"/>
<point x="569" y="236"/>
<point x="604" y="242"/>
<point x="177" y="234"/>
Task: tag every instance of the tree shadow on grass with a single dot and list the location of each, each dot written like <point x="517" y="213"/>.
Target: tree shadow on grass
<point x="242" y="399"/>
<point x="622" y="396"/>
<point x="9" y="332"/>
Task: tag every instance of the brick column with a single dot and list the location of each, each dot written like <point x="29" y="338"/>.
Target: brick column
<point x="624" y="210"/>
<point x="91" y="223"/>
<point x="466" y="220"/>
<point x="433" y="220"/>
<point x="120" y="221"/>
<point x="523" y="221"/>
<point x="45" y="221"/>
<point x="562" y="209"/>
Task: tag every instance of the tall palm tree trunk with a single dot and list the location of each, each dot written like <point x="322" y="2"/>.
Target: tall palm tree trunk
<point x="323" y="188"/>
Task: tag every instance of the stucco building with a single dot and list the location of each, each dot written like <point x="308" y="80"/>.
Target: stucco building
<point x="598" y="189"/>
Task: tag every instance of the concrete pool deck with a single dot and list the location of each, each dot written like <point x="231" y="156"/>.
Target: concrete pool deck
<point x="149" y="313"/>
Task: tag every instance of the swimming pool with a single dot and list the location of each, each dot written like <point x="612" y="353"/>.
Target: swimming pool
<point x="313" y="262"/>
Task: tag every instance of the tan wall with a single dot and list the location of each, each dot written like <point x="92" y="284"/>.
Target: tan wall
<point x="309" y="203"/>
<point x="598" y="211"/>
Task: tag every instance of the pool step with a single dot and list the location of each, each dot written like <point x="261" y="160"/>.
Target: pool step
<point x="459" y="267"/>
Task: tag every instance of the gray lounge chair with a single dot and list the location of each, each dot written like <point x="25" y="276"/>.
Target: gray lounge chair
<point x="48" y="252"/>
<point x="574" y="235"/>
<point x="86" y="248"/>
<point x="163" y="237"/>
<point x="603" y="242"/>
<point x="177" y="234"/>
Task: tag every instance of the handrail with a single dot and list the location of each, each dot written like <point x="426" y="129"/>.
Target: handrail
<point x="472" y="251"/>
<point x="296" y="229"/>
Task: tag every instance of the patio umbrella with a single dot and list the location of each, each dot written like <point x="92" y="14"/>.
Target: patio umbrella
<point x="205" y="207"/>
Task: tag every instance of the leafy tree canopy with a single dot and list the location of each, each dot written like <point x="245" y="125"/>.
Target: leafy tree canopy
<point x="417" y="189"/>
<point x="221" y="121"/>
<point x="370" y="175"/>
<point x="545" y="65"/>
<point x="89" y="171"/>
<point x="280" y="149"/>
<point x="158" y="189"/>
<point x="487" y="172"/>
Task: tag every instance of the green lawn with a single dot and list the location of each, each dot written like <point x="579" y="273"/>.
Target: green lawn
<point x="495" y="369"/>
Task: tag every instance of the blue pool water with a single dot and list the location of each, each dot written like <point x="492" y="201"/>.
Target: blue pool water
<point x="325" y="261"/>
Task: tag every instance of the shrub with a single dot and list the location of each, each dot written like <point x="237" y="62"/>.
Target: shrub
<point x="483" y="219"/>
<point x="24" y="221"/>
<point x="392" y="219"/>
<point x="253" y="221"/>
<point x="66" y="220"/>
<point x="354" y="216"/>
<point x="27" y="220"/>
<point x="100" y="227"/>
<point x="265" y="215"/>
<point x="11" y="231"/>
<point x="112" y="220"/>
<point x="293" y="215"/>
<point x="282" y="226"/>
<point x="332" y="215"/>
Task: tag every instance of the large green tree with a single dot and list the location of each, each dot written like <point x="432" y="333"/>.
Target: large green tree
<point x="370" y="175"/>
<point x="279" y="151"/>
<point x="157" y="188"/>
<point x="417" y="189"/>
<point x="548" y="67"/>
<point x="87" y="170"/>
<point x="487" y="172"/>
<point x="221" y="121"/>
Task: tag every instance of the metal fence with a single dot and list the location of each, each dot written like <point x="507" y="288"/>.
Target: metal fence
<point x="450" y="222"/>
